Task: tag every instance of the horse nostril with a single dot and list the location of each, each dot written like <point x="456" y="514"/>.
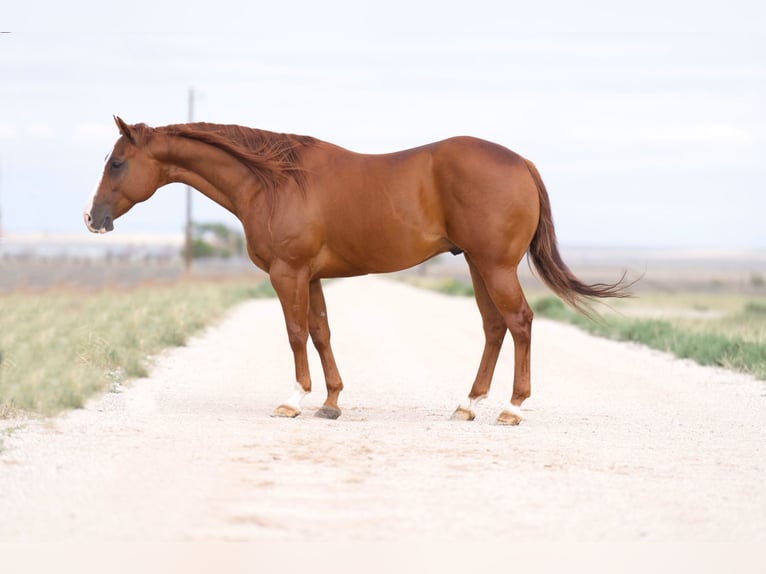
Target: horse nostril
<point x="88" y="221"/>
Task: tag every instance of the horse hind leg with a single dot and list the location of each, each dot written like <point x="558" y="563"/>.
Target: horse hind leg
<point x="508" y="310"/>
<point x="494" y="333"/>
<point x="505" y="290"/>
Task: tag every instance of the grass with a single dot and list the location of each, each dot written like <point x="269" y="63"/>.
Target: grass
<point x="60" y="347"/>
<point x="711" y="329"/>
<point x="735" y="341"/>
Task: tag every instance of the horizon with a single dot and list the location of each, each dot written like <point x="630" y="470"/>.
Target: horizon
<point x="95" y="243"/>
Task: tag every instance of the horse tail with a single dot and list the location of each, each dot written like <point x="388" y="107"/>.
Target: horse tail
<point x="544" y="253"/>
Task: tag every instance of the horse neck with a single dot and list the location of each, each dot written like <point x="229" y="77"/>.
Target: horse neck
<point x="211" y="171"/>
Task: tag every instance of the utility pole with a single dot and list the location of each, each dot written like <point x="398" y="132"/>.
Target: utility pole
<point x="188" y="244"/>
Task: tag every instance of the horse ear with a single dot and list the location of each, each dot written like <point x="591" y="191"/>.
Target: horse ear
<point x="124" y="129"/>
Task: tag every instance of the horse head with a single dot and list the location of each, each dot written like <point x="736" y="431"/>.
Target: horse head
<point x="131" y="175"/>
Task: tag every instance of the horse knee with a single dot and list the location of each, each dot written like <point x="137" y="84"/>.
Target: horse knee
<point x="320" y="337"/>
<point x="297" y="337"/>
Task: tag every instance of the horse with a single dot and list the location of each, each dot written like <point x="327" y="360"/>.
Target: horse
<point x="312" y="210"/>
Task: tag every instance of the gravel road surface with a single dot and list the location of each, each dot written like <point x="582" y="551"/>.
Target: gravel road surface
<point x="620" y="443"/>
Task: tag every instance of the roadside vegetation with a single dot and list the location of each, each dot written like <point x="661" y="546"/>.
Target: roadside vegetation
<point x="735" y="340"/>
<point x="59" y="347"/>
<point x="727" y="330"/>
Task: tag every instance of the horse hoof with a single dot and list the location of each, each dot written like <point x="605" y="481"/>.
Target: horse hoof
<point x="510" y="418"/>
<point x="328" y="413"/>
<point x="286" y="411"/>
<point x="463" y="414"/>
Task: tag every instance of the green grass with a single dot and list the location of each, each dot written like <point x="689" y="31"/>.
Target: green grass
<point x="712" y="329"/>
<point x="61" y="347"/>
<point x="734" y="341"/>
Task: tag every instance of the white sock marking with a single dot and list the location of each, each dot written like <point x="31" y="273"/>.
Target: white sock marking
<point x="514" y="410"/>
<point x="471" y="404"/>
<point x="296" y="397"/>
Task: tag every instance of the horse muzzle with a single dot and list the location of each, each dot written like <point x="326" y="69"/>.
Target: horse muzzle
<point x="98" y="224"/>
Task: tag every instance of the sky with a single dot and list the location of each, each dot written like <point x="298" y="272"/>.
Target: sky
<point x="646" y="120"/>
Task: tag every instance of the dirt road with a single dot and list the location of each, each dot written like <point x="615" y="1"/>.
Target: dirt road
<point x="620" y="443"/>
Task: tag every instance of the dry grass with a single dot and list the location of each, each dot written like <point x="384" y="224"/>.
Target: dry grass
<point x="61" y="346"/>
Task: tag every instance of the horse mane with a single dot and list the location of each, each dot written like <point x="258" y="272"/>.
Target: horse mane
<point x="272" y="157"/>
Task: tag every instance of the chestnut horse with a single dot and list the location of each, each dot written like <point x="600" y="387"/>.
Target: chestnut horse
<point x="311" y="210"/>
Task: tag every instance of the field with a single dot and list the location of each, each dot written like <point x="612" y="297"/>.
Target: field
<point x="59" y="346"/>
<point x="729" y="332"/>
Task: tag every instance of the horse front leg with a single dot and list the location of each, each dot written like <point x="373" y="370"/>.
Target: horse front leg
<point x="319" y="330"/>
<point x="292" y="288"/>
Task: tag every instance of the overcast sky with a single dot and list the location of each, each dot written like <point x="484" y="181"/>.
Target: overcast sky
<point x="646" y="119"/>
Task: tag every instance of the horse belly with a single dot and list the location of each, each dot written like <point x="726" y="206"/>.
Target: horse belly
<point x="381" y="239"/>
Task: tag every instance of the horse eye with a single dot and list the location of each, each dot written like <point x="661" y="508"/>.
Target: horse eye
<point x="116" y="164"/>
